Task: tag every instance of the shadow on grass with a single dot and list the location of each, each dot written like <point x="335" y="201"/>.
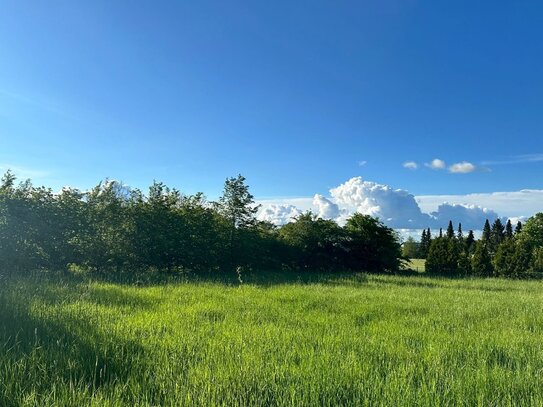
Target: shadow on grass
<point x="40" y="354"/>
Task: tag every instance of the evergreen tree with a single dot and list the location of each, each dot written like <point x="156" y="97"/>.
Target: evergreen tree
<point x="522" y="259"/>
<point x="440" y="232"/>
<point x="423" y="245"/>
<point x="486" y="233"/>
<point x="504" y="258"/>
<point x="460" y="235"/>
<point x="480" y="262"/>
<point x="496" y="236"/>
<point x="518" y="228"/>
<point x="470" y="242"/>
<point x="508" y="229"/>
<point x="464" y="263"/>
<point x="450" y="230"/>
<point x="442" y="256"/>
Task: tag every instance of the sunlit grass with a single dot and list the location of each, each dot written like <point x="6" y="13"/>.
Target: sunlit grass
<point x="322" y="340"/>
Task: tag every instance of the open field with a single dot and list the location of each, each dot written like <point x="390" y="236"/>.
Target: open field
<point x="319" y="340"/>
<point x="418" y="265"/>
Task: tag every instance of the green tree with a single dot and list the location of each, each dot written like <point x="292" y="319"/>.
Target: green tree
<point x="442" y="256"/>
<point x="504" y="258"/>
<point x="410" y="248"/>
<point x="238" y="208"/>
<point x="370" y="245"/>
<point x="496" y="236"/>
<point x="450" y="230"/>
<point x="481" y="262"/>
<point x="508" y="229"/>
<point x="486" y="233"/>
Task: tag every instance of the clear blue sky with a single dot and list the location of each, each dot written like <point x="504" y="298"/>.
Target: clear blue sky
<point x="291" y="94"/>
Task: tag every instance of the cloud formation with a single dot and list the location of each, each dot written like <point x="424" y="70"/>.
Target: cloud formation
<point x="463" y="167"/>
<point x="397" y="208"/>
<point x="436" y="164"/>
<point x="410" y="165"/>
<point x="278" y="214"/>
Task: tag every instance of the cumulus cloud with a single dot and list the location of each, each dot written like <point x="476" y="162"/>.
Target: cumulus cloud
<point x="471" y="216"/>
<point x="396" y="208"/>
<point x="436" y="164"/>
<point x="324" y="208"/>
<point x="410" y="165"/>
<point x="463" y="167"/>
<point x="278" y="214"/>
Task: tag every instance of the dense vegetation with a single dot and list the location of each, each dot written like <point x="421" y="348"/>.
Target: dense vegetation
<point x="112" y="228"/>
<point x="291" y="338"/>
<point x="501" y="251"/>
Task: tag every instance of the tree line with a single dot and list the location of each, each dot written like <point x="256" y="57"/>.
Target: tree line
<point x="113" y="228"/>
<point x="501" y="250"/>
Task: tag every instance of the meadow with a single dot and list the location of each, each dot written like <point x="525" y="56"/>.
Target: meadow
<point x="301" y="339"/>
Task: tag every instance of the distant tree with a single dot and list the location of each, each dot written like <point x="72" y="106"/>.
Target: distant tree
<point x="440" y="232"/>
<point x="508" y="229"/>
<point x="422" y="246"/>
<point x="319" y="244"/>
<point x="496" y="236"/>
<point x="503" y="260"/>
<point x="522" y="259"/>
<point x="450" y="230"/>
<point x="371" y="245"/>
<point x="518" y="228"/>
<point x="460" y="234"/>
<point x="486" y="233"/>
<point x="442" y="256"/>
<point x="481" y="262"/>
<point x="425" y="240"/>
<point x="410" y="248"/>
<point x="537" y="261"/>
<point x="532" y="231"/>
<point x="464" y="263"/>
<point x="470" y="242"/>
<point x="238" y="208"/>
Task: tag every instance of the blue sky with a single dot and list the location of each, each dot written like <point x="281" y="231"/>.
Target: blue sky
<point x="294" y="95"/>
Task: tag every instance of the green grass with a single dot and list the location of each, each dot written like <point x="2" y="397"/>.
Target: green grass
<point x="317" y="340"/>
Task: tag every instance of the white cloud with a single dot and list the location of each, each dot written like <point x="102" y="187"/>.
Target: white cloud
<point x="399" y="209"/>
<point x="278" y="214"/>
<point x="463" y="167"/>
<point x="410" y="165"/>
<point x="510" y="204"/>
<point x="436" y="164"/>
<point x="325" y="208"/>
<point x="396" y="207"/>
<point x="362" y="163"/>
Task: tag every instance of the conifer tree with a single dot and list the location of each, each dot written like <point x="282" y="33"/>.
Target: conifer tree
<point x="450" y="230"/>
<point x="486" y="232"/>
<point x="518" y="228"/>
<point x="470" y="242"/>
<point x="508" y="229"/>
<point x="480" y="262"/>
<point x="422" y="246"/>
<point x="496" y="236"/>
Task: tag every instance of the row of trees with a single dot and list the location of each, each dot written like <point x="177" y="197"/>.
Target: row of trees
<point x="501" y="251"/>
<point x="115" y="228"/>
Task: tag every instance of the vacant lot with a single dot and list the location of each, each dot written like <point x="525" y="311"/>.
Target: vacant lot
<point x="296" y="340"/>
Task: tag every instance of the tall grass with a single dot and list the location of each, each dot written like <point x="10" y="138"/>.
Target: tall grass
<point x="302" y="340"/>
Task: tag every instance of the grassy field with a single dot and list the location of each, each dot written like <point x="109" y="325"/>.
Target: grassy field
<point x="418" y="265"/>
<point x="318" y="340"/>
